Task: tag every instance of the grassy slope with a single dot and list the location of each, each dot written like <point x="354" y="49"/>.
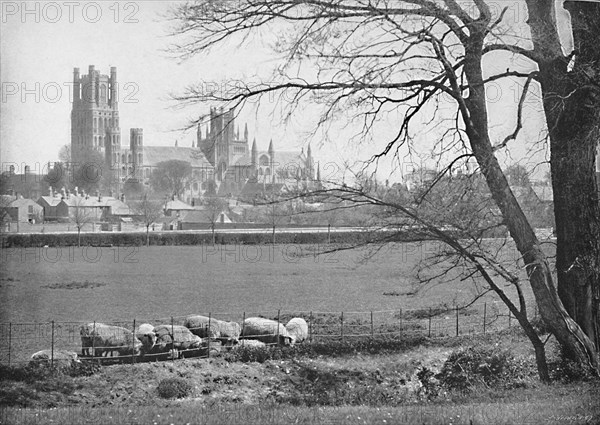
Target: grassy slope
<point x="355" y="388"/>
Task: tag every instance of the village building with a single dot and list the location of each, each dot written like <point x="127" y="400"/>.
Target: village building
<point x="23" y="210"/>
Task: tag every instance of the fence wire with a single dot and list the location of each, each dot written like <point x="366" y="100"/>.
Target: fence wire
<point x="19" y="341"/>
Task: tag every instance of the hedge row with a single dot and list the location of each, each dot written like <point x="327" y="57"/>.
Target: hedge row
<point x="188" y="238"/>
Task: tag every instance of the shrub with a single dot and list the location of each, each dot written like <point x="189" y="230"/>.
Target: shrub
<point x="33" y="372"/>
<point x="488" y="366"/>
<point x="174" y="388"/>
<point x="255" y="354"/>
<point x="566" y="370"/>
<point x="330" y="348"/>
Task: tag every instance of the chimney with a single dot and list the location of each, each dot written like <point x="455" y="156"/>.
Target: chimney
<point x="99" y="197"/>
<point x="123" y="197"/>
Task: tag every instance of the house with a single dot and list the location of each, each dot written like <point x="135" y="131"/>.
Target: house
<point x="177" y="208"/>
<point x="22" y="209"/>
<point x="93" y="208"/>
<point x="166" y="223"/>
<point x="202" y="218"/>
<point x="49" y="204"/>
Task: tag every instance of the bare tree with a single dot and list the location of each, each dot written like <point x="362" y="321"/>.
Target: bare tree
<point x="421" y="62"/>
<point x="149" y="211"/>
<point x="80" y="215"/>
<point x="214" y="208"/>
<point x="458" y="215"/>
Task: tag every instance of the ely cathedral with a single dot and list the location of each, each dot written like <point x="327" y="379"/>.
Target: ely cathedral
<point x="220" y="153"/>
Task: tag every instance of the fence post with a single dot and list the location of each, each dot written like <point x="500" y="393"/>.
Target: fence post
<point x="342" y="327"/>
<point x="133" y="343"/>
<point x="9" y="341"/>
<point x="278" y="316"/>
<point x="429" y="334"/>
<point x="329" y="234"/>
<point x="94" y="340"/>
<point x="456" y="320"/>
<point x="372" y="329"/>
<point x="484" y="316"/>
<point x="310" y="327"/>
<point x="52" y="347"/>
<point x="208" y="333"/>
<point x="243" y="323"/>
<point x="172" y="339"/>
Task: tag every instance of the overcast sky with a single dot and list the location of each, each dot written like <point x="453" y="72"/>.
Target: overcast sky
<point x="40" y="47"/>
<point x="38" y="60"/>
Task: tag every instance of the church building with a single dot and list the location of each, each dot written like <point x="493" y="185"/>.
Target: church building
<point x="220" y="153"/>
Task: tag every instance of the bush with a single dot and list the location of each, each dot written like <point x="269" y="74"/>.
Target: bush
<point x="255" y="354"/>
<point x="566" y="370"/>
<point x="32" y="372"/>
<point x="174" y="388"/>
<point x="487" y="366"/>
<point x="330" y="348"/>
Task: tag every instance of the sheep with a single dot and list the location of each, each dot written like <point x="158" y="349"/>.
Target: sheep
<point x="230" y="332"/>
<point x="199" y="325"/>
<point x="108" y="339"/>
<point x="175" y="337"/>
<point x="250" y="343"/>
<point x="60" y="356"/>
<point x="298" y="329"/>
<point x="145" y="333"/>
<point x="265" y="330"/>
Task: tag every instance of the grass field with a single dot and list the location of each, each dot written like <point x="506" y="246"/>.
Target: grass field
<point x="373" y="384"/>
<point x="122" y="283"/>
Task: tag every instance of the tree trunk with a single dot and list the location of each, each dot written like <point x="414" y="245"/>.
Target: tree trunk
<point x="538" y="346"/>
<point x="78" y="236"/>
<point x="148" y="235"/>
<point x="568" y="333"/>
<point x="572" y="115"/>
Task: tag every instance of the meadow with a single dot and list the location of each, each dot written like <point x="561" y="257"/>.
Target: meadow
<point x="123" y="283"/>
<point x="289" y="385"/>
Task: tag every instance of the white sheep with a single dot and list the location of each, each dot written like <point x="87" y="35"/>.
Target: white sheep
<point x="108" y="339"/>
<point x="175" y="337"/>
<point x="230" y="332"/>
<point x="250" y="343"/>
<point x="298" y="329"/>
<point x="199" y="325"/>
<point x="265" y="330"/>
<point x="60" y="356"/>
<point x="145" y="333"/>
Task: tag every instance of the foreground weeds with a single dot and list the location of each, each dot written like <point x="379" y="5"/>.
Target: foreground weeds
<point x="572" y="410"/>
<point x="477" y="380"/>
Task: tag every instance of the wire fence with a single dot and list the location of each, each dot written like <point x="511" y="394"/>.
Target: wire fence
<point x="113" y="342"/>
